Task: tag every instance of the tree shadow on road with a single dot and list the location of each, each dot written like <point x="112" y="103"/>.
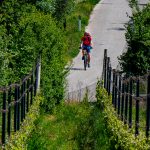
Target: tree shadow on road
<point x="117" y="28"/>
<point x="74" y="68"/>
<point x="107" y="3"/>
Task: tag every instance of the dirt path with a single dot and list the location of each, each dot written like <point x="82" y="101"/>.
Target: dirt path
<point x="106" y="26"/>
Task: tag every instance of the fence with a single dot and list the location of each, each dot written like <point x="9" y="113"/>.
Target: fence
<point x="79" y="94"/>
<point x="16" y="101"/>
<point x="130" y="97"/>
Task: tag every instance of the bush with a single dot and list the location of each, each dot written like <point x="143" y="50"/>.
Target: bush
<point x="19" y="139"/>
<point x="24" y="36"/>
<point x="52" y="45"/>
<point x="136" y="60"/>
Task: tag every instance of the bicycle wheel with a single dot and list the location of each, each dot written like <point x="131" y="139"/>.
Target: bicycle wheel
<point x="85" y="62"/>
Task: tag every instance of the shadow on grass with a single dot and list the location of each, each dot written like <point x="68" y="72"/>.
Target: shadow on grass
<point x="73" y="68"/>
<point x="92" y="133"/>
<point x="72" y="127"/>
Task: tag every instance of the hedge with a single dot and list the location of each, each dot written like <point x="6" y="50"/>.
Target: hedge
<point x="121" y="135"/>
<point x="18" y="140"/>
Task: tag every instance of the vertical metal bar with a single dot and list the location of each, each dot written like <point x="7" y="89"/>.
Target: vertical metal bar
<point x="116" y="90"/>
<point x="108" y="79"/>
<point x="119" y="94"/>
<point x="39" y="74"/>
<point x="27" y="95"/>
<point x="18" y="113"/>
<point x="122" y="101"/>
<point x="113" y="90"/>
<point x="148" y="107"/>
<point x="4" y="118"/>
<point x="105" y="55"/>
<point x="24" y="99"/>
<point x="79" y="23"/>
<point x="32" y="84"/>
<point x="15" y="108"/>
<point x="126" y="104"/>
<point x="9" y="112"/>
<point x="137" y="108"/>
<point x="130" y="104"/>
<point x="105" y="62"/>
<point x="35" y="81"/>
<point x="22" y="90"/>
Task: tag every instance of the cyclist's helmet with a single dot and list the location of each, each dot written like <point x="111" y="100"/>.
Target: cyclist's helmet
<point x="86" y="34"/>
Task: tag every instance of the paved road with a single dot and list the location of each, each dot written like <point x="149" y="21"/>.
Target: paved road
<point x="106" y="26"/>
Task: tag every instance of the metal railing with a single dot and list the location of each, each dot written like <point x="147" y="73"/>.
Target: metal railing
<point x="16" y="100"/>
<point x="130" y="97"/>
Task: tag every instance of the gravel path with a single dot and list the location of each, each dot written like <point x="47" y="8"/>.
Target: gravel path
<point x="106" y="26"/>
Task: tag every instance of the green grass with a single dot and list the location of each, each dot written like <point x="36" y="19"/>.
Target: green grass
<point x="72" y="127"/>
<point x="142" y="117"/>
<point x="83" y="9"/>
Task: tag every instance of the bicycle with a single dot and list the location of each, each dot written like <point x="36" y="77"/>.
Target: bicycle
<point x="85" y="58"/>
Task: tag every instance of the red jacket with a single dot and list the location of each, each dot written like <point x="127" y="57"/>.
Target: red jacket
<point x="86" y="40"/>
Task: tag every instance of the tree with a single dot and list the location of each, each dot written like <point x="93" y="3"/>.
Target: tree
<point x="136" y="61"/>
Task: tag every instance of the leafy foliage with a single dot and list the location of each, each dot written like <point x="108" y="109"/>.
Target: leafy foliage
<point x="136" y="60"/>
<point x="16" y="40"/>
<point x="47" y="6"/>
<point x="134" y="4"/>
<point x="63" y="8"/>
<point x="25" y="33"/>
<point x="59" y="9"/>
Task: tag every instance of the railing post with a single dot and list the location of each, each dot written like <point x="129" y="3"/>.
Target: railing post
<point x="24" y="99"/>
<point x="108" y="79"/>
<point x="148" y="107"/>
<point x="4" y="118"/>
<point x="119" y="94"/>
<point x="9" y="112"/>
<point x="137" y="109"/>
<point x="18" y="113"/>
<point x="79" y="23"/>
<point x="35" y="81"/>
<point x="130" y="103"/>
<point x="113" y="86"/>
<point x="39" y="74"/>
<point x="32" y="87"/>
<point x="116" y="90"/>
<point x="27" y="95"/>
<point x="15" y="108"/>
<point x="122" y="101"/>
<point x="126" y="102"/>
<point x="105" y="62"/>
<point x="22" y="90"/>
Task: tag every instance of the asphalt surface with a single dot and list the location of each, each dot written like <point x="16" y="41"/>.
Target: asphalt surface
<point x="106" y="25"/>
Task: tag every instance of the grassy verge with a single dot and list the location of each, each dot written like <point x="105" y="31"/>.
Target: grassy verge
<point x="83" y="9"/>
<point x="72" y="126"/>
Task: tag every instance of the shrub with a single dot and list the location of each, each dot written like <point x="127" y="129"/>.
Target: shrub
<point x="136" y="60"/>
<point x="19" y="139"/>
<point x="25" y="35"/>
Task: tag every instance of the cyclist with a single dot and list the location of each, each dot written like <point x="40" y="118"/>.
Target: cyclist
<point x="86" y="42"/>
